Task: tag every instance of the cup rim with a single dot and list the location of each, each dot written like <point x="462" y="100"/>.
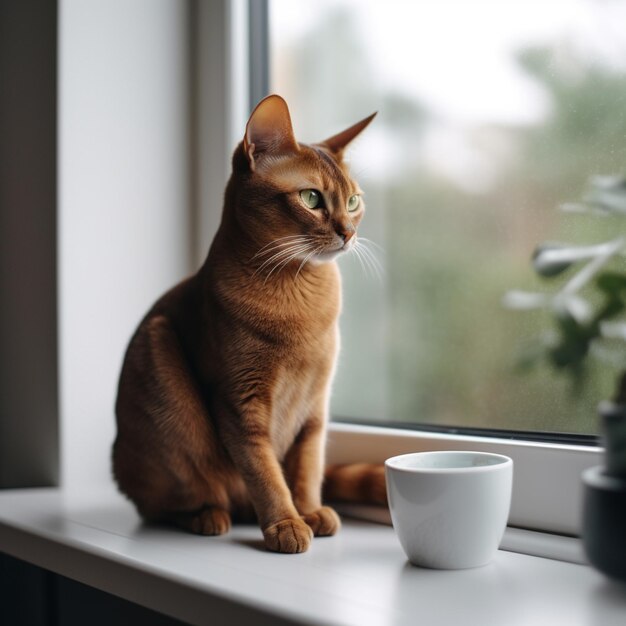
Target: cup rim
<point x="503" y="461"/>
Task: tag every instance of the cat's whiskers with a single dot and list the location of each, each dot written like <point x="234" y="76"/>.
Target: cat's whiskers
<point x="367" y="264"/>
<point x="279" y="250"/>
<point x="302" y="251"/>
<point x="368" y="257"/>
<point x="372" y="259"/>
<point x="284" y="254"/>
<point x="359" y="256"/>
<point x="376" y="264"/>
<point x="307" y="258"/>
<point x="278" y="257"/>
<point x="294" y="256"/>
<point x="371" y="243"/>
<point x="278" y="243"/>
<point x="281" y="246"/>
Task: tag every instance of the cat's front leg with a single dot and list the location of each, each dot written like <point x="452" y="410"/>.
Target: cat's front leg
<point x="249" y="445"/>
<point x="304" y="467"/>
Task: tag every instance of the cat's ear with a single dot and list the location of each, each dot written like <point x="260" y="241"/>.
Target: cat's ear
<point x="269" y="130"/>
<point x="337" y="143"/>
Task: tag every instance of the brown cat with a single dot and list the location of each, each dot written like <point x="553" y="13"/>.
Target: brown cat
<point x="223" y="397"/>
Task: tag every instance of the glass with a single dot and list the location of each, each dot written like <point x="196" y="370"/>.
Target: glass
<point x="491" y="115"/>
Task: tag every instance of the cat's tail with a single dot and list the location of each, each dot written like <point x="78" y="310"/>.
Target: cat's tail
<point x="362" y="483"/>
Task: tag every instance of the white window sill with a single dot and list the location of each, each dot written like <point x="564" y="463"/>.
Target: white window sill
<point x="359" y="577"/>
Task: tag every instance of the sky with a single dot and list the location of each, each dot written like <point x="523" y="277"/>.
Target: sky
<point x="458" y="56"/>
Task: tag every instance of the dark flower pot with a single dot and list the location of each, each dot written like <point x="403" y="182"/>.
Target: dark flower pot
<point x="604" y="522"/>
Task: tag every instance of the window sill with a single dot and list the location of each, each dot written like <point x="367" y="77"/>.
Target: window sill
<point x="358" y="577"/>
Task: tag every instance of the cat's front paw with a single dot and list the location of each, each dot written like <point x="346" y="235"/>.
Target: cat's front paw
<point x="289" y="536"/>
<point x="323" y="522"/>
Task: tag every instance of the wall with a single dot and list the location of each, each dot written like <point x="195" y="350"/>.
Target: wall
<point x="124" y="200"/>
<point x="28" y="270"/>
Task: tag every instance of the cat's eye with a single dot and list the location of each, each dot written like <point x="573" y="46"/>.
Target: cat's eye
<point x="354" y="202"/>
<point x="311" y="198"/>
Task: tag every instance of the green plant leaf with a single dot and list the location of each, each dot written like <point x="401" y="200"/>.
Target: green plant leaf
<point x="551" y="259"/>
<point x="525" y="300"/>
<point x="573" y="344"/>
<point x="611" y="283"/>
<point x="607" y="193"/>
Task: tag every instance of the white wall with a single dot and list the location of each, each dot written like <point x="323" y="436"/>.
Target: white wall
<point x="124" y="201"/>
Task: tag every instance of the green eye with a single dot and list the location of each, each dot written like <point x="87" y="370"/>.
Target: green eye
<point x="353" y="202"/>
<point x="311" y="198"/>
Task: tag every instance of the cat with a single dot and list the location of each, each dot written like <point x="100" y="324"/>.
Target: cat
<point x="222" y="402"/>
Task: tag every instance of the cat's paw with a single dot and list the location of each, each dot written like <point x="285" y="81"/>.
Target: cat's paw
<point x="210" y="521"/>
<point x="289" y="536"/>
<point x="323" y="522"/>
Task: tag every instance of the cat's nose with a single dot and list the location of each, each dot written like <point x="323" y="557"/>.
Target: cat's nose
<point x="346" y="232"/>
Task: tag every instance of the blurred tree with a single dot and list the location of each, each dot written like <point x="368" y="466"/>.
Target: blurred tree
<point x="457" y="253"/>
<point x="585" y="134"/>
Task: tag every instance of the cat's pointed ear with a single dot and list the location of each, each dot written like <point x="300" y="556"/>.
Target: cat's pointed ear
<point x="337" y="143"/>
<point x="269" y="130"/>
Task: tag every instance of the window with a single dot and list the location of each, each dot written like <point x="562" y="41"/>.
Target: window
<point x="490" y="116"/>
<point x="190" y="55"/>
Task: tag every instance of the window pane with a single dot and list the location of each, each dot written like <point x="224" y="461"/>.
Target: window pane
<point x="491" y="115"/>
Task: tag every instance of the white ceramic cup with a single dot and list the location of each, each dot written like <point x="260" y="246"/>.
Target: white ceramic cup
<point x="449" y="509"/>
